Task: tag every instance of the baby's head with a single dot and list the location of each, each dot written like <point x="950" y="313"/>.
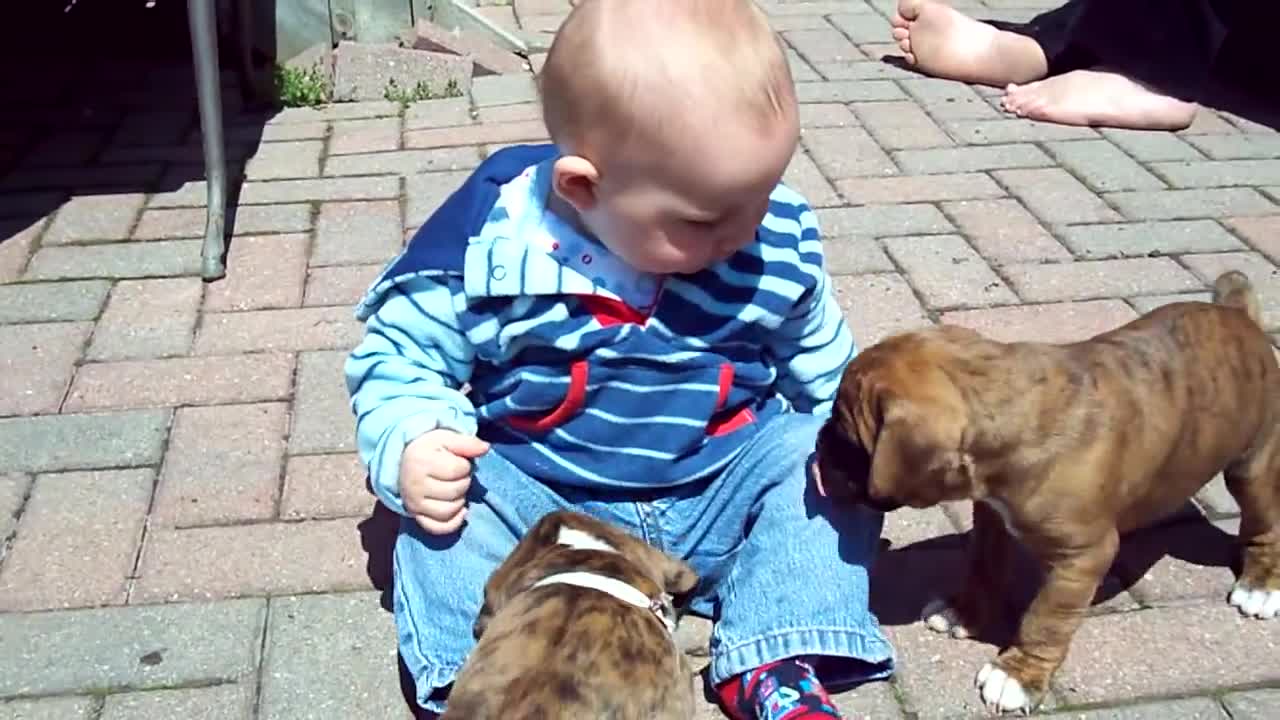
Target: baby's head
<point x="675" y="120"/>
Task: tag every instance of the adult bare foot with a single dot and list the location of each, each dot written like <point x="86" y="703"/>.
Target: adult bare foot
<point x="1098" y="98"/>
<point x="943" y="42"/>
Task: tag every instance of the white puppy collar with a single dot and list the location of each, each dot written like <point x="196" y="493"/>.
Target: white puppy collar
<point x="627" y="593"/>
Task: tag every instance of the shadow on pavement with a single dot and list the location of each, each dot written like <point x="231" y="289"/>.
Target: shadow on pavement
<point x="905" y="579"/>
<point x="99" y="110"/>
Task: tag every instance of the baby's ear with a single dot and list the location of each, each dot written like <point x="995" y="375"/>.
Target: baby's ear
<point x="574" y="179"/>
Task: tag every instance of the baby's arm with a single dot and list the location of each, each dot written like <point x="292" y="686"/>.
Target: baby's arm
<point x="404" y="378"/>
<point x="813" y="345"/>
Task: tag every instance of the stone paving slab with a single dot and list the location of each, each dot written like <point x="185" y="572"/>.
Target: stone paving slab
<point x="167" y="224"/>
<point x="1189" y="709"/>
<point x="37" y="365"/>
<point x="264" y="272"/>
<point x="1255" y="705"/>
<point x="343" y="285"/>
<point x="147" y="319"/>
<point x="136" y="648"/>
<point x="1119" y="664"/>
<point x="324" y="486"/>
<point x="1004" y="232"/>
<point x="208" y="427"/>
<point x="1116" y="240"/>
<point x="52" y="302"/>
<point x="322" y="419"/>
<point x="939" y="681"/>
<point x="251" y="560"/>
<point x="79" y="441"/>
<point x="94" y="218"/>
<point x="181" y="381"/>
<point x="286" y="330"/>
<point x="14" y="490"/>
<point x="49" y="567"/>
<point x="19" y="242"/>
<point x="217" y="702"/>
<point x="352" y="233"/>
<point x="349" y="631"/>
<point x="65" y="708"/>
<point x="162" y="258"/>
<point x="223" y="465"/>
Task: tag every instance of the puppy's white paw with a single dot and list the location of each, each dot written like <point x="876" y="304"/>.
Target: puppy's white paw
<point x="939" y="616"/>
<point x="1254" y="602"/>
<point x="1000" y="692"/>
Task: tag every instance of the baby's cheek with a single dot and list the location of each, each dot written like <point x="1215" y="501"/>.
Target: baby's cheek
<point x="668" y="247"/>
<point x="731" y="243"/>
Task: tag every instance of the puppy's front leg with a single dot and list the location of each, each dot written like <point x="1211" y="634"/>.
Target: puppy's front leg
<point x="1019" y="676"/>
<point x="976" y="606"/>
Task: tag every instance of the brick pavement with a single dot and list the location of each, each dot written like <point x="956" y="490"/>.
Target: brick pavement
<point x="184" y="525"/>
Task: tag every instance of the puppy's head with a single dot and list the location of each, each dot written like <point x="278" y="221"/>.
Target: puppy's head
<point x="555" y="544"/>
<point x="897" y="430"/>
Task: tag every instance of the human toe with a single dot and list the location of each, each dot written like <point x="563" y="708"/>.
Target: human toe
<point x="909" y="9"/>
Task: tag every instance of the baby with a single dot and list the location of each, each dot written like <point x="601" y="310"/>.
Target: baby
<point x="641" y="314"/>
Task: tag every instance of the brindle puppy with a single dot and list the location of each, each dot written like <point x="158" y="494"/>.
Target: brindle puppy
<point x="577" y="623"/>
<point x="1066" y="447"/>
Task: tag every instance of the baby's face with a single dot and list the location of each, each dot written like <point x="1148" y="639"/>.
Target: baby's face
<point x="698" y="204"/>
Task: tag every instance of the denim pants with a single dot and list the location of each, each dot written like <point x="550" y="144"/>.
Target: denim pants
<point x="780" y="575"/>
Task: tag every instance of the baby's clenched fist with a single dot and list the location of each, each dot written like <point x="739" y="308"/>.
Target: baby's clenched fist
<point x="435" y="472"/>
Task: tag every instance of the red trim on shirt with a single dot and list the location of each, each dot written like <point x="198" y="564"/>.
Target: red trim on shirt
<point x="608" y="311"/>
<point x="570" y="406"/>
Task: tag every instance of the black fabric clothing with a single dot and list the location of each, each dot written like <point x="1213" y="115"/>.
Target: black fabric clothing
<point x="1172" y="46"/>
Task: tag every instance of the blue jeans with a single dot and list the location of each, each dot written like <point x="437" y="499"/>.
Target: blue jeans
<point x="780" y="575"/>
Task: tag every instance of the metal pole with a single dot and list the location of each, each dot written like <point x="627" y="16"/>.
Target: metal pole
<point x="204" y="49"/>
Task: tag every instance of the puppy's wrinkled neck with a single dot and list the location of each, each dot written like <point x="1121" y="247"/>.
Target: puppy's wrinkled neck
<point x="1005" y="388"/>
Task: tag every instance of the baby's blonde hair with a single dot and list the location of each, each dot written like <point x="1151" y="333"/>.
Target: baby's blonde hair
<point x="621" y="71"/>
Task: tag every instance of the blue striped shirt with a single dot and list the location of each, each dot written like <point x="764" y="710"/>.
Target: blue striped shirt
<point x="572" y="377"/>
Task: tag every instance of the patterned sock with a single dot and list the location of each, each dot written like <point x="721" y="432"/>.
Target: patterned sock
<point x="781" y="690"/>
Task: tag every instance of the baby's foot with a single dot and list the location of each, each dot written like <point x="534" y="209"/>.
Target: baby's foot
<point x="1098" y="98"/>
<point x="943" y="42"/>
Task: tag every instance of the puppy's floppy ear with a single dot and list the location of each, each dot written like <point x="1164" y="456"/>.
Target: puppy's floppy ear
<point x="917" y="460"/>
<point x="498" y="589"/>
<point x="543" y="534"/>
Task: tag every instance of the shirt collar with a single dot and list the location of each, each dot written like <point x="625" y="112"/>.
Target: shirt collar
<point x="526" y="249"/>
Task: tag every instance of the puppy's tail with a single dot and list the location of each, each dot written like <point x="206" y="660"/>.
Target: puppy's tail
<point x="1233" y="289"/>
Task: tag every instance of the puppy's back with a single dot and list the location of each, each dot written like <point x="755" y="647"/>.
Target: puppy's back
<point x="570" y="652"/>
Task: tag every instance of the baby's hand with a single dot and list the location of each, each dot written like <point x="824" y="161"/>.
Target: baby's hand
<point x="435" y="472"/>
